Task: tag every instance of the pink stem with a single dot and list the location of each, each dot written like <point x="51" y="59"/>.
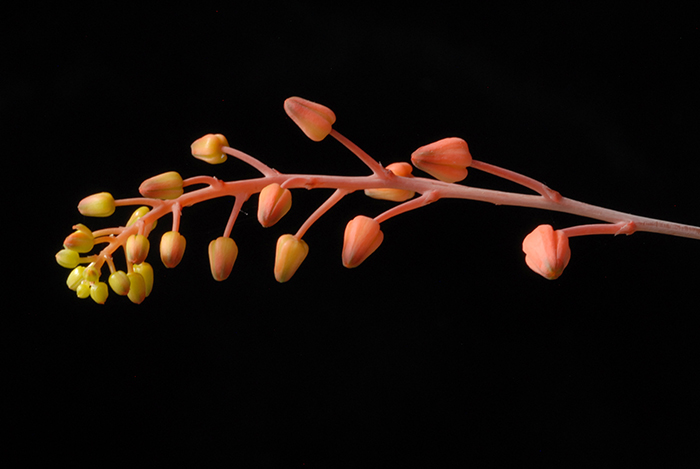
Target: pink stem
<point x="422" y="201"/>
<point x="518" y="178"/>
<point x="626" y="228"/>
<point x="234" y="214"/>
<point x="360" y="153"/>
<point x="332" y="200"/>
<point x="254" y="162"/>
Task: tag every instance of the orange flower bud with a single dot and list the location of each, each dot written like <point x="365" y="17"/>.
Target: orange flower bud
<point x="164" y="186"/>
<point x="208" y="148"/>
<point x="362" y="238"/>
<point x="273" y="203"/>
<point x="97" y="205"/>
<point x="547" y="251"/>
<point x="222" y="255"/>
<point x="446" y="159"/>
<point x="291" y="252"/>
<point x="80" y="240"/>
<point x="395" y="195"/>
<point x="314" y="119"/>
<point x="172" y="248"/>
<point x="137" y="248"/>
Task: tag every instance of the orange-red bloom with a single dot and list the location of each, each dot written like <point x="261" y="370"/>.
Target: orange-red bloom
<point x="362" y="238"/>
<point x="547" y="251"/>
<point x="446" y="159"/>
<point x="316" y="120"/>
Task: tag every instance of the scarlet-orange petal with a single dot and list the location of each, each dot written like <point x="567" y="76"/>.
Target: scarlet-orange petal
<point x="547" y="251"/>
<point x="315" y="120"/>
<point x="362" y="237"/>
<point x="446" y="159"/>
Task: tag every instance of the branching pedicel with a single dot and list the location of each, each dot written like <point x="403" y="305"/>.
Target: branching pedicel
<point x="546" y="250"/>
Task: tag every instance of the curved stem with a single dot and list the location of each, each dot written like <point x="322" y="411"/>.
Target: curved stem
<point x="254" y="162"/>
<point x="360" y="153"/>
<point x="332" y="200"/>
<point x="518" y="178"/>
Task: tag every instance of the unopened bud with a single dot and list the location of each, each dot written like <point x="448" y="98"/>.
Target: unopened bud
<point x="362" y="238"/>
<point x="222" y="255"/>
<point x="291" y="252"/>
<point x="172" y="248"/>
<point x="314" y="119"/>
<point x="97" y="205"/>
<point x="446" y="159"/>
<point x="547" y="251"/>
<point x="273" y="203"/>
<point x="209" y="148"/>
<point x="164" y="186"/>
<point x="395" y="195"/>
<point x="137" y="247"/>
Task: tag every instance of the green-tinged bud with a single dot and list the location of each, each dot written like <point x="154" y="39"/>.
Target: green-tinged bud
<point x="547" y="251"/>
<point x="92" y="273"/>
<point x="138" y="213"/>
<point x="99" y="292"/>
<point x="395" y="195"/>
<point x="146" y="272"/>
<point x="137" y="288"/>
<point x="97" y="205"/>
<point x="291" y="252"/>
<point x="68" y="258"/>
<point x="137" y="248"/>
<point x="362" y="238"/>
<point x="209" y="148"/>
<point x="172" y="248"/>
<point x="222" y="255"/>
<point x="273" y="203"/>
<point x="164" y="186"/>
<point x="119" y="282"/>
<point x="314" y="119"/>
<point x="446" y="159"/>
<point x="83" y="289"/>
<point x="80" y="240"/>
<point x="75" y="277"/>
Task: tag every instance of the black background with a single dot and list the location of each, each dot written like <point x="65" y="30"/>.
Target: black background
<point x="443" y="345"/>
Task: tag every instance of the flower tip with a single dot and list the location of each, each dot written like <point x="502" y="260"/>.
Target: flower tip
<point x="209" y="148"/>
<point x="222" y="255"/>
<point x="97" y="205"/>
<point x="446" y="159"/>
<point x="163" y="186"/>
<point x="315" y="120"/>
<point x="172" y="248"/>
<point x="290" y="253"/>
<point x="547" y="251"/>
<point x="273" y="203"/>
<point x="362" y="237"/>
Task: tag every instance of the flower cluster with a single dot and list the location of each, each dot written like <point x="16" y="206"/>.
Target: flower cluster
<point x="547" y="251"/>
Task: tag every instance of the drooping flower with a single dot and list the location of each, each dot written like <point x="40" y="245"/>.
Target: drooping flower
<point x="395" y="195"/>
<point x="547" y="251"/>
<point x="209" y="148"/>
<point x="163" y="186"/>
<point x="119" y="281"/>
<point x="137" y="247"/>
<point x="362" y="237"/>
<point x="138" y="290"/>
<point x="97" y="205"/>
<point x="172" y="248"/>
<point x="68" y="258"/>
<point x="81" y="240"/>
<point x="146" y="271"/>
<point x="315" y="120"/>
<point x="446" y="159"/>
<point x="290" y="253"/>
<point x="222" y="255"/>
<point x="99" y="292"/>
<point x="273" y="203"/>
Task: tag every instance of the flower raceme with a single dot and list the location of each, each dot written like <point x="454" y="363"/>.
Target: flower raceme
<point x="546" y="250"/>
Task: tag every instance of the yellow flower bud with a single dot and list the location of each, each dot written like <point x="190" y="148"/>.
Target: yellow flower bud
<point x="395" y="195"/>
<point x="99" y="292"/>
<point x="83" y="289"/>
<point x="273" y="203"/>
<point x="362" y="238"/>
<point x="547" y="251"/>
<point x="138" y="213"/>
<point x="222" y="255"/>
<point x="119" y="283"/>
<point x="291" y="252"/>
<point x="137" y="288"/>
<point x="97" y="205"/>
<point x="164" y="186"/>
<point x="146" y="272"/>
<point x="314" y="119"/>
<point x="92" y="273"/>
<point x="67" y="258"/>
<point x="80" y="240"/>
<point x="208" y="148"/>
<point x="446" y="159"/>
<point x="137" y="248"/>
<point x="172" y="248"/>
<point x="75" y="277"/>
